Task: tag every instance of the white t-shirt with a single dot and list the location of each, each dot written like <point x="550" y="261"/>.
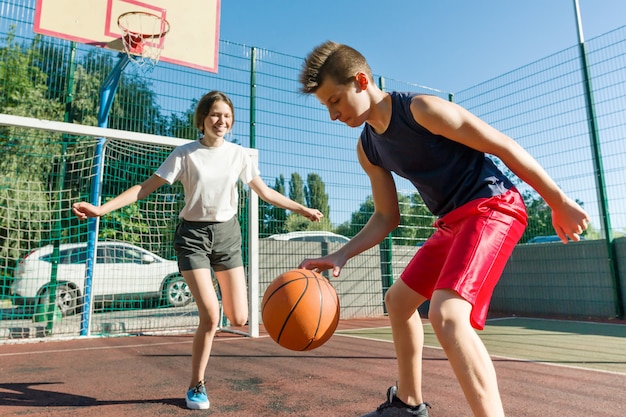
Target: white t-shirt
<point x="209" y="177"/>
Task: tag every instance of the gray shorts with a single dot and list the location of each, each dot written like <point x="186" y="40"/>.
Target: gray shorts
<point x="202" y="245"/>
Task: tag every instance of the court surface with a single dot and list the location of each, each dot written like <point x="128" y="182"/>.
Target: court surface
<point x="545" y="368"/>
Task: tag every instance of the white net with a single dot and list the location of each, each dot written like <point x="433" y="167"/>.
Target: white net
<point x="135" y="286"/>
<point x="143" y="37"/>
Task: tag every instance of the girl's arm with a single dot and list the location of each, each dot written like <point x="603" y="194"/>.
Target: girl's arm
<point x="277" y="199"/>
<point x="83" y="210"/>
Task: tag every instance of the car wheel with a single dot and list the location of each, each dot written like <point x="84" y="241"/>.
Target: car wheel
<point x="66" y="299"/>
<point x="176" y="293"/>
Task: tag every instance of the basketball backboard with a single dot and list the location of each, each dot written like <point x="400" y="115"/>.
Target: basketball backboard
<point x="192" y="40"/>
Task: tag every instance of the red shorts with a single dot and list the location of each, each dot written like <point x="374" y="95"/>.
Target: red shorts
<point x="469" y="250"/>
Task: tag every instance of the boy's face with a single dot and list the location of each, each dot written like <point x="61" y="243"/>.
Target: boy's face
<point x="348" y="103"/>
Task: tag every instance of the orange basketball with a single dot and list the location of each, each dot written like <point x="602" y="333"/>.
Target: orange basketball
<point x="300" y="310"/>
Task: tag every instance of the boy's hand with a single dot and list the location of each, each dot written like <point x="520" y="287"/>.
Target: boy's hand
<point x="569" y="220"/>
<point x="332" y="261"/>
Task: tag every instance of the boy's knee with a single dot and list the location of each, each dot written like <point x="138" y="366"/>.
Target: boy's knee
<point x="390" y="299"/>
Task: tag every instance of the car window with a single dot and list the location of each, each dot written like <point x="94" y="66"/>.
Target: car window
<point x="69" y="256"/>
<point x="124" y="255"/>
<point x="309" y="239"/>
<point x="101" y="255"/>
<point x="105" y="254"/>
<point x="75" y="256"/>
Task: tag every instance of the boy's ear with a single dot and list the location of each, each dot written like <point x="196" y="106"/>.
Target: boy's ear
<point x="362" y="80"/>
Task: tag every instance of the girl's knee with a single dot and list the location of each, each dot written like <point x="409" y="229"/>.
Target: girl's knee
<point x="237" y="317"/>
<point x="238" y="320"/>
<point x="208" y="325"/>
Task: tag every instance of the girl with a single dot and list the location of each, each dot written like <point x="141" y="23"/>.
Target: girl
<point x="208" y="235"/>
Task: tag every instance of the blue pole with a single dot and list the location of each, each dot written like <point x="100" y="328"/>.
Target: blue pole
<point x="107" y="94"/>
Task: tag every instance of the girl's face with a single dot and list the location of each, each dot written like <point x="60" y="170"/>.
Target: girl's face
<point x="219" y="121"/>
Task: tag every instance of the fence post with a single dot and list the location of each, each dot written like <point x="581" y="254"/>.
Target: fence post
<point x="253" y="97"/>
<point x="598" y="168"/>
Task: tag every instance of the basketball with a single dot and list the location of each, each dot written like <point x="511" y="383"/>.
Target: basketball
<point x="300" y="310"/>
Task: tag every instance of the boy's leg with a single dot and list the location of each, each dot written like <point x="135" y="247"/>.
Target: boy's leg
<point x="483" y="237"/>
<point x="408" y="337"/>
<point x="449" y="315"/>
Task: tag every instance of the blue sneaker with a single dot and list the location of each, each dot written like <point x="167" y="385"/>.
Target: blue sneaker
<point x="196" y="397"/>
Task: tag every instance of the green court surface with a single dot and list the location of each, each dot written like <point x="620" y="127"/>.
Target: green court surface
<point x="599" y="346"/>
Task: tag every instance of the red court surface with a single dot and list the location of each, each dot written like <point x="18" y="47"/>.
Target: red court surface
<point x="148" y="375"/>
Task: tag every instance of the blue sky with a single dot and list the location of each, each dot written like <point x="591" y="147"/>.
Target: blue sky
<point x="450" y="45"/>
<point x="445" y="44"/>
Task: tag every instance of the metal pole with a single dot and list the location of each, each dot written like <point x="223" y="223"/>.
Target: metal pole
<point x="253" y="98"/>
<point x="598" y="168"/>
<point x="107" y="94"/>
<point x="52" y="310"/>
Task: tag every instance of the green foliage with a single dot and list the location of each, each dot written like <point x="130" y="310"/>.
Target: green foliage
<point x="276" y="220"/>
<point x="315" y="193"/>
<point x="27" y="164"/>
<point x="23" y="84"/>
<point x="416" y="222"/>
<point x="126" y="224"/>
<point x="272" y="218"/>
<point x="539" y="217"/>
<point x="296" y="188"/>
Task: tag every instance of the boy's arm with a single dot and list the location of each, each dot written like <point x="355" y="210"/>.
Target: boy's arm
<point x="386" y="217"/>
<point x="454" y="122"/>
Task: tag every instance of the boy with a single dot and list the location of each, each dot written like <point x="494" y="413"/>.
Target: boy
<point x="440" y="147"/>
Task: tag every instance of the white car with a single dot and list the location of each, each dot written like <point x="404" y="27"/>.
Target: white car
<point x="121" y="271"/>
<point x="311" y="236"/>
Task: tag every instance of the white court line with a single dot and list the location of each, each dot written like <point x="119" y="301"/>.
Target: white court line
<point x="498" y="356"/>
<point x="85" y="349"/>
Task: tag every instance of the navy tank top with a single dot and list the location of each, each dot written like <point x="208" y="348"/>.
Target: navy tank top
<point x="447" y="174"/>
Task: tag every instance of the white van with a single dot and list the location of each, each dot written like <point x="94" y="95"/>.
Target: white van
<point x="311" y="236"/>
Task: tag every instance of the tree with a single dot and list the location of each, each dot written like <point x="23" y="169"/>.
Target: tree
<point x="539" y="216"/>
<point x="272" y="218"/>
<point x="296" y="188"/>
<point x="27" y="162"/>
<point x="315" y="194"/>
<point x="416" y="221"/>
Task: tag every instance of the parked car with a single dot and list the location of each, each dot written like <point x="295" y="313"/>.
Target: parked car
<point x="311" y="236"/>
<point x="122" y="270"/>
<point x="548" y="239"/>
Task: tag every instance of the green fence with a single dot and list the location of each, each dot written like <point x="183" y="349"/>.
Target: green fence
<point x="302" y="153"/>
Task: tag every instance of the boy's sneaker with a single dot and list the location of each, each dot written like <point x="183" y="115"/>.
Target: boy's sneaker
<point x="196" y="397"/>
<point x="393" y="407"/>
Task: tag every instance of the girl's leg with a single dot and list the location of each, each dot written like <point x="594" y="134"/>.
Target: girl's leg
<point x="200" y="283"/>
<point x="234" y="295"/>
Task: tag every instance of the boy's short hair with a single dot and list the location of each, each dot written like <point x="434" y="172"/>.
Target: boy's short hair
<point x="331" y="60"/>
<point x="204" y="107"/>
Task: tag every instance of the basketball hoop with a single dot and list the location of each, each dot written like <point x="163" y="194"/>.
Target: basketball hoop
<point x="143" y="37"/>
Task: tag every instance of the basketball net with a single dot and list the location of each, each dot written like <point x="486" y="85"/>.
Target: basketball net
<point x="143" y="37"/>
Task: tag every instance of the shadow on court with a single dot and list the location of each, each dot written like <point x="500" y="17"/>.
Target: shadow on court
<point x="348" y="376"/>
<point x="32" y="395"/>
